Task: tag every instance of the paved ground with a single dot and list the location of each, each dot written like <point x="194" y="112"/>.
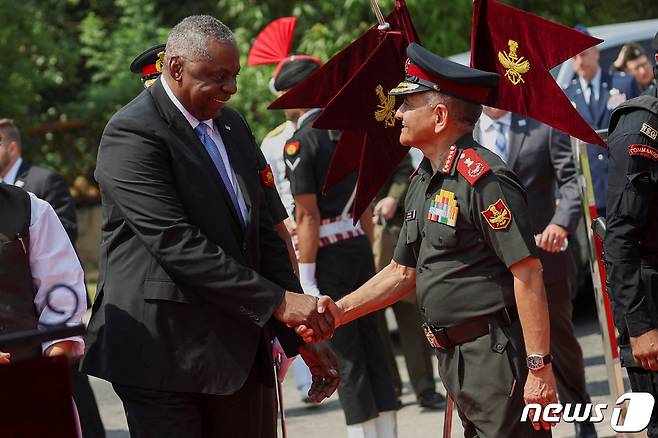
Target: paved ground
<point x="326" y="420"/>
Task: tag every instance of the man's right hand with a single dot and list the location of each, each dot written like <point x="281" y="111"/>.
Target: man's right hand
<point x="645" y="350"/>
<point x="302" y="310"/>
<point x="325" y="306"/>
<point x="4" y="358"/>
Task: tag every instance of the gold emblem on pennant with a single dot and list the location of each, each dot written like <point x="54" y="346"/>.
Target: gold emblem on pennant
<point x="386" y="108"/>
<point x="516" y="67"/>
<point x="159" y="61"/>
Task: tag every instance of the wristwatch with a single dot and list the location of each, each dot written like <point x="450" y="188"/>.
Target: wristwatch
<point x="536" y="362"/>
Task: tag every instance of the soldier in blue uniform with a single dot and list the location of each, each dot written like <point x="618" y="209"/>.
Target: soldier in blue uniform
<point x="595" y="93"/>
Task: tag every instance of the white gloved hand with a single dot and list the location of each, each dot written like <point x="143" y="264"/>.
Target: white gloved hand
<point x="307" y="279"/>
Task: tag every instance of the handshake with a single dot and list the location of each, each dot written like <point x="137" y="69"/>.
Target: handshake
<point x="314" y="318"/>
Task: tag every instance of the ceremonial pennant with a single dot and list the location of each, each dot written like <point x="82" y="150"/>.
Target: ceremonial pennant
<point x="372" y="110"/>
<point x="321" y="86"/>
<point x="522" y="48"/>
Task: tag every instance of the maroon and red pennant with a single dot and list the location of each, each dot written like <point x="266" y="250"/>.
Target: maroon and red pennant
<point x="522" y="48"/>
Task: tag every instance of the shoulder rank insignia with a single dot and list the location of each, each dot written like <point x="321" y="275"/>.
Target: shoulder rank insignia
<point x="292" y="148"/>
<point x="642" y="150"/>
<point x="649" y="131"/>
<point x="449" y="159"/>
<point x="497" y="215"/>
<point x="444" y="209"/>
<point x="267" y="177"/>
<point x="471" y="166"/>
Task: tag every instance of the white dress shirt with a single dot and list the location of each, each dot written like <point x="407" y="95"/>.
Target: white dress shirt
<point x="217" y="138"/>
<point x="10" y="177"/>
<point x="488" y="131"/>
<point x="54" y="261"/>
<point x="272" y="148"/>
<point x="596" y="86"/>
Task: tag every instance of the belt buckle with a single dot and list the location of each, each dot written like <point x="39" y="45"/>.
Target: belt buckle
<point x="431" y="338"/>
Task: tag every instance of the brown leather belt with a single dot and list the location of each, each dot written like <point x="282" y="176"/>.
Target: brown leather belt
<point x="446" y="338"/>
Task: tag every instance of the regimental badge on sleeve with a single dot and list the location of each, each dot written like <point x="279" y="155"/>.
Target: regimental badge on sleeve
<point x="291" y="149"/>
<point x="267" y="177"/>
<point x="498" y="215"/>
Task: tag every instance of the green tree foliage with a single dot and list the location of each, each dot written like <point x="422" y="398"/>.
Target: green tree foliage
<point x="65" y="68"/>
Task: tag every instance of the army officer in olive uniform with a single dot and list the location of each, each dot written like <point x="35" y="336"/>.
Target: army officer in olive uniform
<point x="467" y="247"/>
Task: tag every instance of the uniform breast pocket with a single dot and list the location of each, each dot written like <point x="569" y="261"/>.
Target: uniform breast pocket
<point x="440" y="235"/>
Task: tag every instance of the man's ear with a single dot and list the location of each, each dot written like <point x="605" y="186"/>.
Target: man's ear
<point x="175" y="66"/>
<point x="14" y="149"/>
<point x="440" y="114"/>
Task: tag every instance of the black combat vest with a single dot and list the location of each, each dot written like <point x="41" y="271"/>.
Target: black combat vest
<point x="17" y="311"/>
<point x="648" y="102"/>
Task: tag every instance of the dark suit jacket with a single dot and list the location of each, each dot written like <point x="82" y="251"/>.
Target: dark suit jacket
<point x="600" y="119"/>
<point x="185" y="297"/>
<point x="541" y="157"/>
<point x="50" y="187"/>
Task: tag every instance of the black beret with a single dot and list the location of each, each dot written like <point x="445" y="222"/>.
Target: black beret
<point x="293" y="70"/>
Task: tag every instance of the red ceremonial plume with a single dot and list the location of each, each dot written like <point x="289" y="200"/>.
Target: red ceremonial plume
<point x="522" y="48"/>
<point x="274" y="42"/>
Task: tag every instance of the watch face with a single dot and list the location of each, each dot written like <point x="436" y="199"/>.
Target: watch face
<point x="535" y="362"/>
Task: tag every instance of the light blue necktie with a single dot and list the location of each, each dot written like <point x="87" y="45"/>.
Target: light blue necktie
<point x="501" y="141"/>
<point x="211" y="148"/>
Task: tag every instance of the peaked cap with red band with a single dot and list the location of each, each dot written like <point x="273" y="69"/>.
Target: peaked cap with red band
<point x="272" y="46"/>
<point x="149" y="64"/>
<point x="427" y="71"/>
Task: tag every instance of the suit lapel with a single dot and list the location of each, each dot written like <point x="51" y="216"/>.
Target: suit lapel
<point x="21" y="175"/>
<point x="183" y="131"/>
<point x="517" y="134"/>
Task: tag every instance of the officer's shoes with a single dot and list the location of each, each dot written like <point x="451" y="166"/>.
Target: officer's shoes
<point x="585" y="430"/>
<point x="431" y="399"/>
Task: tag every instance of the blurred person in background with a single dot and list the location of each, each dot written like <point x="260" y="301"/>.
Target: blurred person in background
<point x="52" y="188"/>
<point x="335" y="258"/>
<point x="541" y="157"/>
<point x="36" y="256"/>
<point x="634" y="60"/>
<point x="388" y="218"/>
